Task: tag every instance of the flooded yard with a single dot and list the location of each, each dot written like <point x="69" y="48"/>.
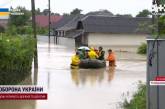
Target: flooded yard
<point x="82" y="88"/>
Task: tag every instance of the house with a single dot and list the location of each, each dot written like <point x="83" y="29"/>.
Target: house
<point x="119" y="33"/>
<point x="67" y="24"/>
<point x="42" y="20"/>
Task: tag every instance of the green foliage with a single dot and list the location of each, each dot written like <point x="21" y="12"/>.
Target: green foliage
<point x="76" y="12"/>
<point x="162" y="1"/>
<point x="41" y="30"/>
<point x="146" y="26"/>
<point x="138" y="101"/>
<point x="20" y="20"/>
<point x="16" y="56"/>
<point x="24" y="30"/>
<point x="11" y="30"/>
<point x="142" y="49"/>
<point x="19" y="24"/>
<point x="162" y="26"/>
<point x="2" y="29"/>
<point x="144" y="13"/>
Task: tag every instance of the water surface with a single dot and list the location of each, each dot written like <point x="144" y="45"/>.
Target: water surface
<point x="80" y="88"/>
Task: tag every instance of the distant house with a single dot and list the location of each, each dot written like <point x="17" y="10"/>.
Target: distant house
<point x="121" y="33"/>
<point x="67" y="26"/>
<point x="42" y="20"/>
<point x="111" y="31"/>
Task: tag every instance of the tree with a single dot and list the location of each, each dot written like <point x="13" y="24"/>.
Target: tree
<point x="38" y="12"/>
<point x="144" y="13"/>
<point x="46" y="12"/>
<point x="65" y="14"/>
<point x="18" y="23"/>
<point x="162" y="25"/>
<point x="147" y="26"/>
<point x="20" y="20"/>
<point x="76" y="12"/>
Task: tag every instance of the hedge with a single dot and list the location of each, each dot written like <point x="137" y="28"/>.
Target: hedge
<point x="16" y="56"/>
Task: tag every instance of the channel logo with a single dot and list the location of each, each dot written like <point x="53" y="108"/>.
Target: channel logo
<point x="4" y="13"/>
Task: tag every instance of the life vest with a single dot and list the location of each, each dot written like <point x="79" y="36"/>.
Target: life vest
<point x="75" y="60"/>
<point x="101" y="55"/>
<point x="111" y="57"/>
<point x="92" y="55"/>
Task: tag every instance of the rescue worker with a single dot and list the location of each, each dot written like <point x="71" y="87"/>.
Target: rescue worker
<point x="92" y="54"/>
<point x="111" y="58"/>
<point x="101" y="53"/>
<point x="96" y="51"/>
<point x="82" y="54"/>
<point x="75" y="61"/>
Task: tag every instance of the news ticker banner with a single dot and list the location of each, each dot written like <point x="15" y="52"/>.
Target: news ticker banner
<point x="23" y="92"/>
<point x="158" y="81"/>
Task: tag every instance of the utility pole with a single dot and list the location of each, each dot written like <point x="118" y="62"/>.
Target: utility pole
<point x="49" y="20"/>
<point x="34" y="33"/>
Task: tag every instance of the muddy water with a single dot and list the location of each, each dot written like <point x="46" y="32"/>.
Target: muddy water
<point x="81" y="88"/>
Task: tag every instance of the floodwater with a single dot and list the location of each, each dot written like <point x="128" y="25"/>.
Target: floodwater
<point x="82" y="88"/>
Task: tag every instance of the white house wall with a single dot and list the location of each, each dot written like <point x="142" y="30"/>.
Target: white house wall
<point x="121" y="42"/>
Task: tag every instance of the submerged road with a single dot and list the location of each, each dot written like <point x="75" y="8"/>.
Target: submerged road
<point x="82" y="88"/>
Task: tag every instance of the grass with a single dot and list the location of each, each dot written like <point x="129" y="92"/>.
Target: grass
<point x="138" y="101"/>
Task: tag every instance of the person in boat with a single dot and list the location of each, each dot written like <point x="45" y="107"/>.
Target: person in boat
<point x="75" y="61"/>
<point x="101" y="53"/>
<point x="111" y="58"/>
<point x="96" y="51"/>
<point x="82" y="54"/>
<point x="92" y="54"/>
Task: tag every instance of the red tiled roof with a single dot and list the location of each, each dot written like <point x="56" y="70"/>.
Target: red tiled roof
<point x="42" y="20"/>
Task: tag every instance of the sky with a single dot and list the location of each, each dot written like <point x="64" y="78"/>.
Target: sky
<point x="66" y="6"/>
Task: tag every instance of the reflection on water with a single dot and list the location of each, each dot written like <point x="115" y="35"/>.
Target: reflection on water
<point x="92" y="76"/>
<point x="111" y="73"/>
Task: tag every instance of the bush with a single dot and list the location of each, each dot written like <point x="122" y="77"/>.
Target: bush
<point x="13" y="30"/>
<point x="138" y="101"/>
<point x="142" y="49"/>
<point x="42" y="30"/>
<point x="16" y="56"/>
<point x="2" y="29"/>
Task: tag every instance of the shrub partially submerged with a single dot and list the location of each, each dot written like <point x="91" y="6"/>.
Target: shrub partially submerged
<point x="138" y="101"/>
<point x="142" y="49"/>
<point x="16" y="56"/>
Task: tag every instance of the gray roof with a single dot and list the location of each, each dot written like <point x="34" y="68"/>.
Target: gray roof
<point x="100" y="13"/>
<point x="106" y="24"/>
<point x="71" y="24"/>
<point x="103" y="24"/>
<point x="62" y="22"/>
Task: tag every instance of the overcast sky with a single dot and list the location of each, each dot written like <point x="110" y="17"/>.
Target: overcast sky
<point x="65" y="6"/>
